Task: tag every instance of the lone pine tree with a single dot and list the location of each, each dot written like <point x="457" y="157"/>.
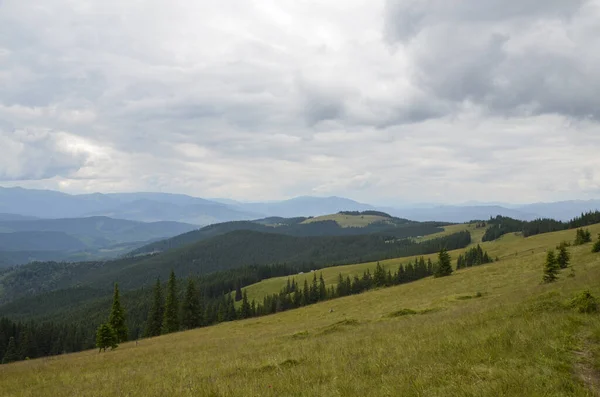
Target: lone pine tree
<point x="550" y="268"/>
<point x="444" y="267"/>
<point x="106" y="337"/>
<point x="171" y="315"/>
<point x="155" y="317"/>
<point x="117" y="317"/>
<point x="563" y="257"/>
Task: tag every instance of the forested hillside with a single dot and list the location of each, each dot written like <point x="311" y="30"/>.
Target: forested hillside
<point x="23" y="240"/>
<point x="302" y="227"/>
<point x="500" y="225"/>
<point x="229" y="251"/>
<point x="83" y="307"/>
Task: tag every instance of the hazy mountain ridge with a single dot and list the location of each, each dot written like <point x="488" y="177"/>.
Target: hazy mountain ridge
<point x="148" y="207"/>
<point x="22" y="241"/>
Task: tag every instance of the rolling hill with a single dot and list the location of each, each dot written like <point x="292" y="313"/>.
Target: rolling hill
<point x="484" y="331"/>
<point x="233" y="250"/>
<point x="340" y="224"/>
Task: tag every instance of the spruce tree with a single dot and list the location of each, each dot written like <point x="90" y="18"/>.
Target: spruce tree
<point x="444" y="267"/>
<point x="314" y="290"/>
<point x="563" y="258"/>
<point x="379" y="276"/>
<point x="306" y="294"/>
<point x="230" y="313"/>
<point x="596" y="247"/>
<point x="551" y="267"/>
<point x="12" y="352"/>
<point x="171" y="315"/>
<point x="190" y="311"/>
<point x="117" y="317"/>
<point x="429" y="266"/>
<point x="155" y="317"/>
<point x="322" y="288"/>
<point x="238" y="291"/>
<point x="245" y="309"/>
<point x="106" y="337"/>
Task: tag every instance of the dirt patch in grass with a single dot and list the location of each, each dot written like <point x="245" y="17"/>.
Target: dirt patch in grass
<point x="585" y="371"/>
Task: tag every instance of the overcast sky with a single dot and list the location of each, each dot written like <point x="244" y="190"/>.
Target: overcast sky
<point x="412" y="100"/>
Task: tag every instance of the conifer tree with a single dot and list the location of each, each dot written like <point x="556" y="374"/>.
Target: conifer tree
<point x="429" y="266"/>
<point x="106" y="337"/>
<point x="322" y="288"/>
<point x="563" y="258"/>
<point x="551" y="267"/>
<point x="155" y="317"/>
<point x="190" y="311"/>
<point x="341" y="286"/>
<point x="444" y="267"/>
<point x="379" y="276"/>
<point x="314" y="290"/>
<point x="306" y="294"/>
<point x="596" y="247"/>
<point x="171" y="315"/>
<point x="230" y="313"/>
<point x="117" y="318"/>
<point x="238" y="291"/>
<point x="12" y="353"/>
<point x="245" y="309"/>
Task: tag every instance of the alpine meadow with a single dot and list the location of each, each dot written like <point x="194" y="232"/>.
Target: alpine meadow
<point x="356" y="198"/>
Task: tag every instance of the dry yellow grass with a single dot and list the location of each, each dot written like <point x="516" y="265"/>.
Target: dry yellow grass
<point x="517" y="337"/>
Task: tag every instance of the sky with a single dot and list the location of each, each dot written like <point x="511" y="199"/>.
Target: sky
<point x="381" y="101"/>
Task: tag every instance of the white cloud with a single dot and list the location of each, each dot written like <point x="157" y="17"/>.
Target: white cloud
<point x="414" y="100"/>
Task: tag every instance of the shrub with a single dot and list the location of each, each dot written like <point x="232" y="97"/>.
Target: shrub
<point x="585" y="302"/>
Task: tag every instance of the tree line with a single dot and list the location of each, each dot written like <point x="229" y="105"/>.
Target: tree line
<point x="473" y="257"/>
<point x="561" y="260"/>
<point x="202" y="301"/>
<point x="501" y="225"/>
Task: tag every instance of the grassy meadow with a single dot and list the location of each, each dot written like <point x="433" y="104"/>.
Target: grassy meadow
<point x="273" y="285"/>
<point x="492" y="330"/>
<point x="348" y="220"/>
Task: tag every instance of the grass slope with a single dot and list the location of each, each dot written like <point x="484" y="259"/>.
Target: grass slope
<point x="492" y="330"/>
<point x="273" y="285"/>
<point x="350" y="220"/>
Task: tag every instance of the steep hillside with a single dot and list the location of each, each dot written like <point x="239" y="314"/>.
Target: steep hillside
<point x="492" y="330"/>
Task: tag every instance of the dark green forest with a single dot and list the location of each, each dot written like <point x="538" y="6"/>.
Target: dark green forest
<point x="394" y="227"/>
<point x="501" y="225"/>
<point x="233" y="250"/>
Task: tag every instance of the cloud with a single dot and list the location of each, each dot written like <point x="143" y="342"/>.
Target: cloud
<point x="509" y="57"/>
<point x="39" y="154"/>
<point x="377" y="100"/>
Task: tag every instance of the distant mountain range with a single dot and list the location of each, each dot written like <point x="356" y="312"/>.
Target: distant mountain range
<point x="152" y="207"/>
<point x="23" y="239"/>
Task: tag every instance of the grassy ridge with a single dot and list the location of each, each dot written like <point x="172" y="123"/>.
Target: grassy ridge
<point x="492" y="330"/>
<point x="350" y="220"/>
